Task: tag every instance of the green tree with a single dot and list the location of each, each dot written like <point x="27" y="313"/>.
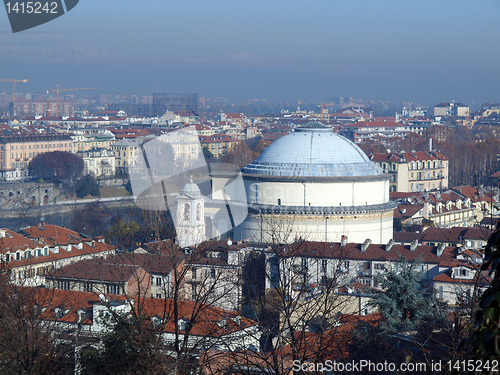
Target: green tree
<point x="413" y="326"/>
<point x="130" y="347"/>
<point x="486" y="329"/>
<point x="87" y="185"/>
<point x="123" y="234"/>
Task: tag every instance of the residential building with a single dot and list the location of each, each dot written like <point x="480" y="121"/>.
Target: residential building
<point x="218" y="144"/>
<point x="102" y="276"/>
<point x="100" y="163"/>
<point x="125" y="150"/>
<point x="214" y="275"/>
<point x="466" y="238"/>
<point x="451" y="109"/>
<point x="42" y="107"/>
<point x="85" y="140"/>
<point x="196" y="325"/>
<point x="308" y="268"/>
<point x="368" y="130"/>
<point x="414" y="171"/>
<point x="462" y="206"/>
<point x="40" y="249"/>
<point x="19" y="146"/>
<point x="460" y="283"/>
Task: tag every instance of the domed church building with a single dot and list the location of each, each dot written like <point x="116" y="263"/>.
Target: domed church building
<point x="316" y="185"/>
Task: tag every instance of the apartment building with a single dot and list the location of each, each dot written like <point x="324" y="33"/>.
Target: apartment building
<point x="367" y="130"/>
<point x="308" y="268"/>
<point x="98" y="162"/>
<point x="101" y="276"/>
<point x="84" y="140"/>
<point x="218" y="144"/>
<point x="42" y="248"/>
<point x="19" y="146"/>
<point x="124" y="150"/>
<point x="414" y="171"/>
<point x="42" y="107"/>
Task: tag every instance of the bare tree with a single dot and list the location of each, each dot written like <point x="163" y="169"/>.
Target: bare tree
<point x="31" y="339"/>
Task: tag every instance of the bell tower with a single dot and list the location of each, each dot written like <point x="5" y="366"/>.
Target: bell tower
<point x="190" y="217"/>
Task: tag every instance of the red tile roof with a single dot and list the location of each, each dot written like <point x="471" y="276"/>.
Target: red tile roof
<point x="13" y="242"/>
<point x="53" y="235"/>
<point x="216" y="138"/>
<point x="98" y="270"/>
<point x="481" y="278"/>
<point x="205" y="320"/>
<point x="352" y="251"/>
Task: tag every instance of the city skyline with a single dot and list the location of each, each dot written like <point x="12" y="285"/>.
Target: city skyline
<point x="426" y="52"/>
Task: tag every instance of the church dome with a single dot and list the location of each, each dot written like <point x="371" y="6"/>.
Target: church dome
<point x="313" y="150"/>
<point x="191" y="190"/>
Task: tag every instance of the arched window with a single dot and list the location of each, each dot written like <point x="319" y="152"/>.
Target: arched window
<point x="198" y="211"/>
<point x="187" y="211"/>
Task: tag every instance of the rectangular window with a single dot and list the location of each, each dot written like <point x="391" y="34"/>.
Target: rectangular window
<point x="324" y="264"/>
<point x="193" y="273"/>
<point x="63" y="284"/>
<point x="194" y="294"/>
<point x="158" y="281"/>
<point x="89" y="287"/>
<point x="113" y="289"/>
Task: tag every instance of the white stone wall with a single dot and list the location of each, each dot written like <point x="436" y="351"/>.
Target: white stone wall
<point x="331" y="193"/>
<point x="325" y="228"/>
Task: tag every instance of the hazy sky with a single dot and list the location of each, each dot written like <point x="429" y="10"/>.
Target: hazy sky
<point x="422" y="51"/>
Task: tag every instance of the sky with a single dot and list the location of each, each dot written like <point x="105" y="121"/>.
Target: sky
<point x="423" y="51"/>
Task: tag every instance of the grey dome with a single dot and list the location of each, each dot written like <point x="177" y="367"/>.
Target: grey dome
<point x="313" y="150"/>
<point x="191" y="190"/>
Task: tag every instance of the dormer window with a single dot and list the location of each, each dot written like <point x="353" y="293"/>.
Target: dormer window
<point x="27" y="254"/>
<point x="181" y="324"/>
<point x="18" y="256"/>
<point x="7" y="258"/>
<point x="82" y="315"/>
<point x="156" y="322"/>
<point x="46" y="251"/>
<point x="58" y="313"/>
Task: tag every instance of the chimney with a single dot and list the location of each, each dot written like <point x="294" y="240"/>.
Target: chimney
<point x="365" y="245"/>
<point x="440" y="249"/>
<point x="389" y="245"/>
<point x="430" y="144"/>
<point x="413" y="245"/>
<point x="343" y="241"/>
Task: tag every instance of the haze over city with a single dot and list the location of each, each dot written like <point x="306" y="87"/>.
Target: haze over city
<point x="426" y="52"/>
<point x="264" y="187"/>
